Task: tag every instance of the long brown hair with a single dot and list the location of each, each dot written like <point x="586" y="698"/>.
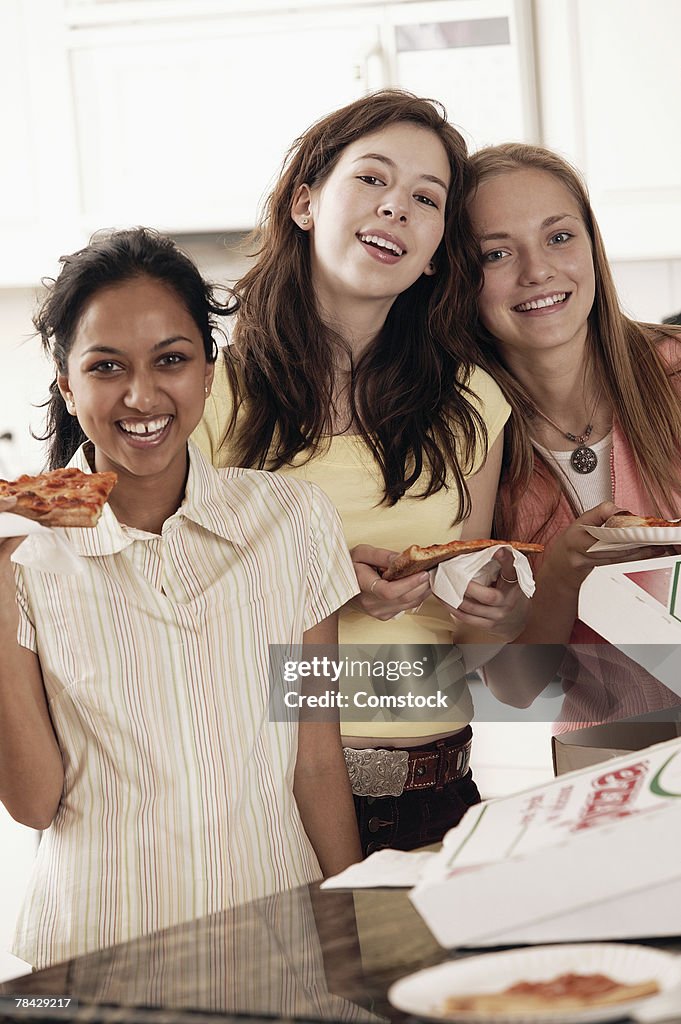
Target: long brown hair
<point x="408" y="392"/>
<point x="622" y="355"/>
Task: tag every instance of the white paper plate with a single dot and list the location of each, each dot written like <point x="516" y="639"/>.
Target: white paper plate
<point x="424" y="994"/>
<point x="636" y="534"/>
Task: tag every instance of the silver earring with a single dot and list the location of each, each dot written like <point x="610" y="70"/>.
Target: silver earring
<point x="206" y="391"/>
<point x="305" y="220"/>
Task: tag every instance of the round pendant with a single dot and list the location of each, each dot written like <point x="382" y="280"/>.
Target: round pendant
<point x="584" y="460"/>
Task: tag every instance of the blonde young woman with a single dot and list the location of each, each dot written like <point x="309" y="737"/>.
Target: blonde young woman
<point x="349" y="367"/>
<point x="596" y="405"/>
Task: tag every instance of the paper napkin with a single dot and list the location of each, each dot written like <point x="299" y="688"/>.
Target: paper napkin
<point x="449" y="579"/>
<point x="44" y="549"/>
<point x="395" y="869"/>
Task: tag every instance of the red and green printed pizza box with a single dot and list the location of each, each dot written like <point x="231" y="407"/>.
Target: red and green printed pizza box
<point x="592" y="855"/>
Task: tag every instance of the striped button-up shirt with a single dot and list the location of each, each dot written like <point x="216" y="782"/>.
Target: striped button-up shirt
<point x="178" y="795"/>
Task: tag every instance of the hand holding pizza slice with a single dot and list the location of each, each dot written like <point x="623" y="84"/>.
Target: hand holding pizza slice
<point x="62" y="497"/>
<point x="625" y="518"/>
<point x="415" y="559"/>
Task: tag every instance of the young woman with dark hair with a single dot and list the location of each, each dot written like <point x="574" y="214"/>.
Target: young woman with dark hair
<point x="134" y="695"/>
<point x="348" y="366"/>
<point x="596" y="417"/>
<point x="111" y="259"/>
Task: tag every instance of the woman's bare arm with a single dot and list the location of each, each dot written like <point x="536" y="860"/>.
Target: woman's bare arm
<point x="31" y="768"/>
<point x="490" y="617"/>
<point x="495" y="614"/>
<point x="321" y="785"/>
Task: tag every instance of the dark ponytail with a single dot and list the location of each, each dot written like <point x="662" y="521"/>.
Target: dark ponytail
<point x="110" y="259"/>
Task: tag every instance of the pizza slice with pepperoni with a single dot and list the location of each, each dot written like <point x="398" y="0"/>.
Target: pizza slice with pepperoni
<point x="61" y="497"/>
<point x="416" y="559"/>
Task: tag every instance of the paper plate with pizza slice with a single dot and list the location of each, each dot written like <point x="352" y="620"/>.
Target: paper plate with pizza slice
<point x="581" y="983"/>
<point x="630" y="530"/>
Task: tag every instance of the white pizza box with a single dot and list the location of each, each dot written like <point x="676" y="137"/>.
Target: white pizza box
<point x="636" y="606"/>
<point x="582" y="748"/>
<point x="592" y="855"/>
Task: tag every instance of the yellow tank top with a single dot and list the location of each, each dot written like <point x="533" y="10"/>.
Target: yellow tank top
<point x="347" y="472"/>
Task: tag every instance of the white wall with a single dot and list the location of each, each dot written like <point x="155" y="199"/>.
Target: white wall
<point x="649" y="289"/>
<point x="24" y="376"/>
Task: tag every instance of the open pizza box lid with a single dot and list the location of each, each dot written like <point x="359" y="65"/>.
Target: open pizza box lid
<point x="636" y="606"/>
<point x="593" y="855"/>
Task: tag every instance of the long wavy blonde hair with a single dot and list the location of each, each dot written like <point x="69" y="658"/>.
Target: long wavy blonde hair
<point x="622" y="355"/>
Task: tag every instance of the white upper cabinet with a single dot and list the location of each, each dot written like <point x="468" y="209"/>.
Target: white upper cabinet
<point x="475" y="56"/>
<point x="178" y="113"/>
<point x="183" y="120"/>
<point x="184" y="126"/>
<point x="38" y="178"/>
<point x="609" y="82"/>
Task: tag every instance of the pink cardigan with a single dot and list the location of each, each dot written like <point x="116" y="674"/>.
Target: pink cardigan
<point x="599" y="682"/>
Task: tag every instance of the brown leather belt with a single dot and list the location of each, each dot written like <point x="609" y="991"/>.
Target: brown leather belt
<point x="379" y="773"/>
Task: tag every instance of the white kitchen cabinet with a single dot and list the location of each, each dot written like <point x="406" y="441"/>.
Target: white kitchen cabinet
<point x="185" y="126"/>
<point x="178" y="114"/>
<point x="476" y="57"/>
<point x="182" y="120"/>
<point x="38" y="186"/>
<point x="609" y="82"/>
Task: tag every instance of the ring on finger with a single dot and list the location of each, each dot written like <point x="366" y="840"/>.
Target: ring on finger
<point x="371" y="588"/>
<point x="508" y="581"/>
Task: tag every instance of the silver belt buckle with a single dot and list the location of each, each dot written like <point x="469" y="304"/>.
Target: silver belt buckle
<point x="377" y="772"/>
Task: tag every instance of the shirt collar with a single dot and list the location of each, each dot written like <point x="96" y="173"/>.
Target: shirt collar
<point x="209" y="502"/>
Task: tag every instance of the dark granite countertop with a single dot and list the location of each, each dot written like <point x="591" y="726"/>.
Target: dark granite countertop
<point x="301" y="955"/>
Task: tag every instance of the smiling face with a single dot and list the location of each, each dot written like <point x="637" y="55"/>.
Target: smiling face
<point x="539" y="282"/>
<point x="136" y="374"/>
<point x="378" y="218"/>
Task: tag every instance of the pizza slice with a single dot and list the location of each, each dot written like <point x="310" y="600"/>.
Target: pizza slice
<point x="62" y="497"/>
<point x="626" y="518"/>
<point x="416" y="559"/>
<point x="568" y="992"/>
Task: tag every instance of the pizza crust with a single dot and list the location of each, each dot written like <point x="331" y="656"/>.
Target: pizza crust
<point x="626" y="519"/>
<point x="417" y="559"/>
<point x="61" y="497"/>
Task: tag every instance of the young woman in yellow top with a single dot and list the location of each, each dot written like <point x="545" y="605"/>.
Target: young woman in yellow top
<point x="347" y="368"/>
